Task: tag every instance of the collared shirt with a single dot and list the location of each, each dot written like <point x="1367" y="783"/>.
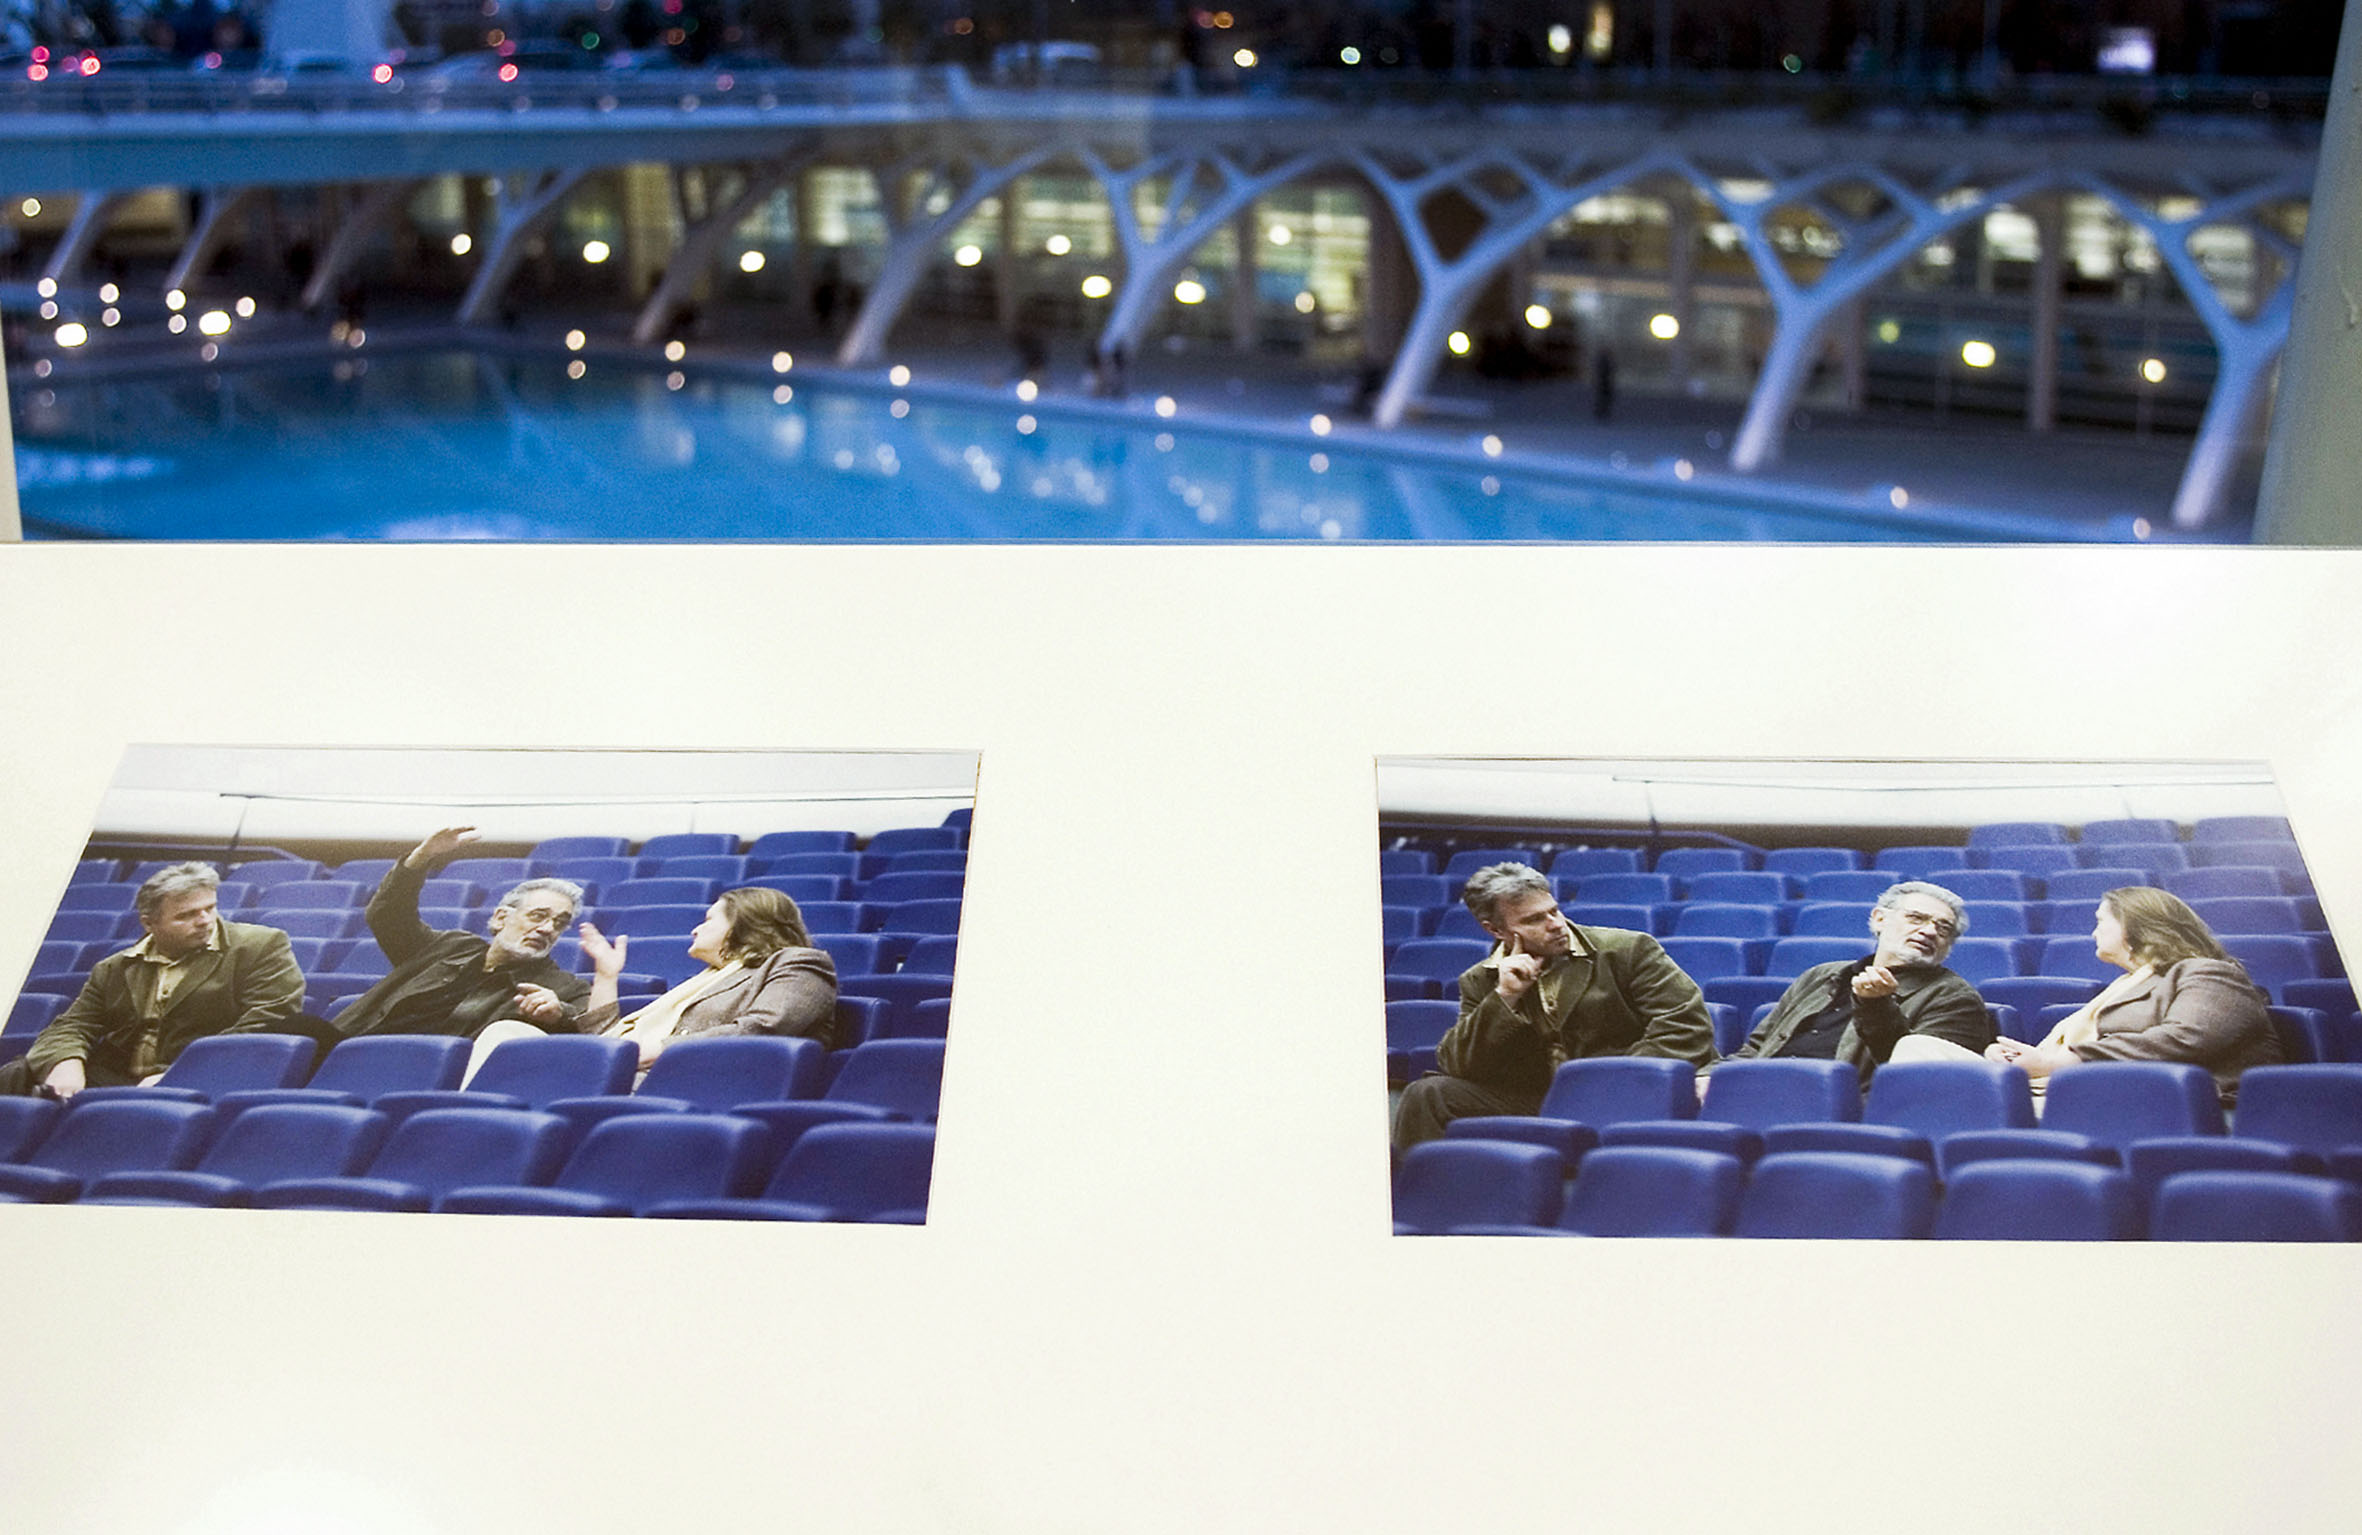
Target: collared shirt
<point x="1550" y="985"/>
<point x="169" y="974"/>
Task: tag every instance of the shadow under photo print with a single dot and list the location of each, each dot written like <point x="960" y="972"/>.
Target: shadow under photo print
<point x="1841" y="999"/>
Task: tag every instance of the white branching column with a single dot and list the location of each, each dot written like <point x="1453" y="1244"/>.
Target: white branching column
<point x="527" y="204"/>
<point x="380" y="201"/>
<point x="695" y="256"/>
<point x="915" y="236"/>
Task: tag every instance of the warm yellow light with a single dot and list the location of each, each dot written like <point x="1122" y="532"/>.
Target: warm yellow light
<point x="1244" y="58"/>
<point x="576" y="341"/>
<point x="1305" y="302"/>
<point x="47" y="288"/>
<point x="461" y="244"/>
<point x="968" y="255"/>
<point x="1538" y="316"/>
<point x="2153" y="369"/>
<point x="72" y="333"/>
<point x="750" y="261"/>
<point x="674" y="351"/>
<point x="1165" y="406"/>
<point x="1664" y="326"/>
<point x="213" y="322"/>
<point x="1057" y="245"/>
<point x="1189" y="291"/>
<point x="1898" y="498"/>
<point x="1096" y="286"/>
<point x="32" y="207"/>
<point x="898" y="375"/>
<point x="172" y="300"/>
<point x="1491" y="446"/>
<point x="1281" y="234"/>
<point x="596" y="251"/>
<point x="245" y="308"/>
<point x="1027" y="390"/>
<point x="1349" y="55"/>
<point x="577" y="368"/>
<point x="1562" y="39"/>
<point x="1320" y="426"/>
<point x="781" y="362"/>
<point x="1890" y="331"/>
<point x="1458" y="342"/>
<point x="110" y="317"/>
<point x="177" y="323"/>
<point x="1977" y="354"/>
<point x="108" y="293"/>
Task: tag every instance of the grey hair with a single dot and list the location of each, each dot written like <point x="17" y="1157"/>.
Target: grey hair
<point x="565" y="887"/>
<point x="1490" y="885"/>
<point x="1896" y="894"/>
<point x="177" y="879"/>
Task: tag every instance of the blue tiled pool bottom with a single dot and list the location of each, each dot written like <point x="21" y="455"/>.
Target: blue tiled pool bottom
<point x="454" y="445"/>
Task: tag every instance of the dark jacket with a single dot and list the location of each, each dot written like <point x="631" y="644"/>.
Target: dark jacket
<point x="250" y="986"/>
<point x="2203" y="1011"/>
<point x="1928" y="999"/>
<point x="425" y="960"/>
<point x="1621" y="995"/>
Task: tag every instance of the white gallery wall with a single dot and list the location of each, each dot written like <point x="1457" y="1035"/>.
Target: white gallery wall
<point x="1157" y="1290"/>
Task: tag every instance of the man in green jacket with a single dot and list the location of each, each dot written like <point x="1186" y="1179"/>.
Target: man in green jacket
<point x="191" y="974"/>
<point x="1858" y="1011"/>
<point x="1549" y="992"/>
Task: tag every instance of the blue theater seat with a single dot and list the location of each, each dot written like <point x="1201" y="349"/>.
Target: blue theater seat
<point x="1791" y="957"/>
<point x="1435" y="964"/>
<point x="551" y="851"/>
<point x="316" y="923"/>
<point x="262" y="1145"/>
<point x="24" y="1124"/>
<point x="719" y="870"/>
<point x="1835" y="919"/>
<point x="660" y="894"/>
<point x="2038" y="860"/>
<point x="1763" y="1093"/>
<point x="101" y="1138"/>
<point x="2088" y="884"/>
<point x="95" y="871"/>
<point x="1705" y="959"/>
<point x="1578" y="861"/>
<point x="115" y="898"/>
<point x="80" y="927"/>
<point x="1426" y="891"/>
<point x="1403" y="860"/>
<point x="684" y="844"/>
<point x="2280" y="856"/>
<point x="222" y="1063"/>
<point x="1743" y="887"/>
<point x="1653" y="1191"/>
<point x="900" y="993"/>
<point x="936" y="955"/>
<point x="2242" y="828"/>
<point x="1684" y="864"/>
<point x="789" y="844"/>
<point x="1920" y="862"/>
<point x="1413" y="1029"/>
<point x="2240" y="914"/>
<point x="1460" y="865"/>
<point x="1609" y="1089"/>
<point x="304" y="895"/>
<point x="2220" y="880"/>
<point x="1638" y="919"/>
<point x="1802" y="863"/>
<point x="272" y="871"/>
<point x="2035" y="1201"/>
<point x="1624" y="889"/>
<point x="430" y="1154"/>
<point x="1570" y="1140"/>
<point x="2132" y="829"/>
<point x="2154" y="860"/>
<point x="1985" y="884"/>
<point x="2030" y="994"/>
<point x="1995" y="919"/>
<point x="2272" y="961"/>
<point x="2256" y="1207"/>
<point x="358" y="1072"/>
<point x="626" y="1166"/>
<point x="595" y="874"/>
<point x="921" y="917"/>
<point x="893" y="889"/>
<point x="874" y="1173"/>
<point x="709" y="1076"/>
<point x="531" y="1074"/>
<point x="1837" y="1194"/>
<point x="1978" y="960"/>
<point x="1448" y="1183"/>
<point x="2016" y="834"/>
<point x="928" y="1018"/>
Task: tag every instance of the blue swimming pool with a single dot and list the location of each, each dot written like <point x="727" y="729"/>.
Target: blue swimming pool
<point x="455" y="445"/>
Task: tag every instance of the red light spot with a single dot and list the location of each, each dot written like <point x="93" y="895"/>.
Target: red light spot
<point x="40" y="55"/>
<point x="36" y="71"/>
<point x="508" y="71"/>
<point x="672" y="7"/>
<point x="382" y="73"/>
<point x="90" y="64"/>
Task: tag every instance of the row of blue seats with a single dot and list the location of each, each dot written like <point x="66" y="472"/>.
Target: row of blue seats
<point x="1982" y="841"/>
<point x="476" y="1161"/>
<point x="1716" y="918"/>
<point x="2330" y="1032"/>
<point x="1431" y="967"/>
<point x="2153" y="1118"/>
<point x="927" y="845"/>
<point x="1480" y="1188"/>
<point x="1765" y="887"/>
<point x="342" y="890"/>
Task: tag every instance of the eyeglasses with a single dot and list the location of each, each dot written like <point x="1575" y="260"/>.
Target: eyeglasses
<point x="541" y="916"/>
<point x="1936" y="922"/>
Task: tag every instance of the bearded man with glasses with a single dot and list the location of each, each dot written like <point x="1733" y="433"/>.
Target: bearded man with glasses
<point x="1863" y="1011"/>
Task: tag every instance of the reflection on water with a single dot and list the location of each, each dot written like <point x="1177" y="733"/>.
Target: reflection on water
<point x="461" y="446"/>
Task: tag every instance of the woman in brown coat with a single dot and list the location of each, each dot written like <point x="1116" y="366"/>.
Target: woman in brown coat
<point x="2181" y="998"/>
<point x="762" y="976"/>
